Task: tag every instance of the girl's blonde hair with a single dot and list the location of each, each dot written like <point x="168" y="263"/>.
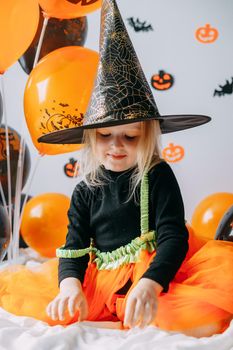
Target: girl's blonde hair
<point x="148" y="155"/>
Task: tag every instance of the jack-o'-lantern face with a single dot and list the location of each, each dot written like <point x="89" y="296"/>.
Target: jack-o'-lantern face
<point x="71" y="169"/>
<point x="14" y="142"/>
<point x="60" y="121"/>
<point x="173" y="153"/>
<point x="206" y="34"/>
<point x="162" y="81"/>
<point x="56" y="118"/>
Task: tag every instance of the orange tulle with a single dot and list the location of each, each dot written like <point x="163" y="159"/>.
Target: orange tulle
<point x="200" y="294"/>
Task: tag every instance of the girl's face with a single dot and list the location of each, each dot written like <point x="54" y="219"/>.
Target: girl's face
<point x="116" y="146"/>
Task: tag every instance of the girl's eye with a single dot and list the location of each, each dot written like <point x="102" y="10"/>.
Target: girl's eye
<point x="104" y="135"/>
<point x="128" y="137"/>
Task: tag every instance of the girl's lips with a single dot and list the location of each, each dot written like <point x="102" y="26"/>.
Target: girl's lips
<point x="117" y="156"/>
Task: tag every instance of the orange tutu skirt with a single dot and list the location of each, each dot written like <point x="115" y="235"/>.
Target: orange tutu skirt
<point x="200" y="294"/>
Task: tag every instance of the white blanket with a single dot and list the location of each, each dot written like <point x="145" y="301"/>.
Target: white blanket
<point x="26" y="333"/>
<point x="29" y="334"/>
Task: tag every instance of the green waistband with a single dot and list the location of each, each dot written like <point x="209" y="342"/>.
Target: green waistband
<point x="125" y="254"/>
<point x="121" y="256"/>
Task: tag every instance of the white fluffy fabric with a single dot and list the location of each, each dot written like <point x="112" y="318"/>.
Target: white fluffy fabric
<point x="29" y="334"/>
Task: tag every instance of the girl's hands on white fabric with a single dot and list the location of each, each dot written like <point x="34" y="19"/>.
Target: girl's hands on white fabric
<point x="141" y="305"/>
<point x="71" y="297"/>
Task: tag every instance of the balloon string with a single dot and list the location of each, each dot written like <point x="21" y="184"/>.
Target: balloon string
<point x="3" y="197"/>
<point x="19" y="179"/>
<point x="18" y="188"/>
<point x="42" y="33"/>
<point x="8" y="166"/>
<point x="29" y="187"/>
<point x="7" y="144"/>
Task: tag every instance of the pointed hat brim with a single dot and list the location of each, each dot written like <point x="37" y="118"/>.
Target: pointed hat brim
<point x="168" y="124"/>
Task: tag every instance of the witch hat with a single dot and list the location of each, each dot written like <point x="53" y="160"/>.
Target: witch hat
<point x="121" y="93"/>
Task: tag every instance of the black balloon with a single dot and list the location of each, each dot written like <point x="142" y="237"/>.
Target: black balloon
<point x="225" y="228"/>
<point x="4" y="232"/>
<point x="1" y="108"/>
<point x="58" y="33"/>
<point x="14" y="145"/>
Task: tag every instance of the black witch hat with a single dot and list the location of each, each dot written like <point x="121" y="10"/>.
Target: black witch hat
<point x="121" y="93"/>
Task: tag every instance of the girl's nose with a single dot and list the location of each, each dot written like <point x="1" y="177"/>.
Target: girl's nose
<point x="117" y="141"/>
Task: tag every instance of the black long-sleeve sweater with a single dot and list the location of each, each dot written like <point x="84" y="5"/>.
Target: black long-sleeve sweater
<point x="106" y="216"/>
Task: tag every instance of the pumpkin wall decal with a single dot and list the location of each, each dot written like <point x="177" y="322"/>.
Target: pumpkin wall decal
<point x="162" y="81"/>
<point x="206" y="34"/>
<point x="173" y="153"/>
<point x="71" y="168"/>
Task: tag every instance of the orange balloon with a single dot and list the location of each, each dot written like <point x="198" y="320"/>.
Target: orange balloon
<point x="209" y="212"/>
<point x="57" y="94"/>
<point x="18" y="24"/>
<point x="44" y="223"/>
<point x="69" y="8"/>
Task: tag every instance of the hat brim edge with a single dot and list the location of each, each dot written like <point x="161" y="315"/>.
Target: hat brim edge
<point x="168" y="124"/>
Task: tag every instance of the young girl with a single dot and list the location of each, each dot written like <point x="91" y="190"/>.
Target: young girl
<point x="105" y="207"/>
<point x="129" y="205"/>
<point x="126" y="255"/>
<point x="128" y="215"/>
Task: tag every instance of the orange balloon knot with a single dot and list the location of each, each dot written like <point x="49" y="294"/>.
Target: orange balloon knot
<point x="45" y="15"/>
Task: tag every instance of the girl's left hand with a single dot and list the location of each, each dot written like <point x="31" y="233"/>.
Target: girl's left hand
<point x="141" y="305"/>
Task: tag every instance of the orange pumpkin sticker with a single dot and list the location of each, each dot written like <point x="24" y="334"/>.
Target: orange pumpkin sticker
<point x="206" y="34"/>
<point x="173" y="153"/>
<point x="71" y="168"/>
<point x="162" y="80"/>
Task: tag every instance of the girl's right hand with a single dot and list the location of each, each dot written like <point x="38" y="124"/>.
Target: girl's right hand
<point x="71" y="297"/>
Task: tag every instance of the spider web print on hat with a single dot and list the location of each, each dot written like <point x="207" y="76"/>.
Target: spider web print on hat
<point x="121" y="89"/>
